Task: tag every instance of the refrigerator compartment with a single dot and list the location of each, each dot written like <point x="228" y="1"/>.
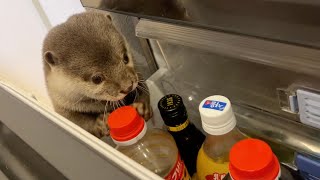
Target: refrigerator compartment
<point x="254" y="96"/>
<point x="79" y="155"/>
<point x="198" y="74"/>
<point x="287" y="136"/>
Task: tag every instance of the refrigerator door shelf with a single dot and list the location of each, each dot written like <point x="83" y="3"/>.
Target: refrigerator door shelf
<point x="71" y="150"/>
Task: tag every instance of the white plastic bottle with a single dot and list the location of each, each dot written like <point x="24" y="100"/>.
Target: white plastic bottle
<point x="219" y="122"/>
<point x="155" y="149"/>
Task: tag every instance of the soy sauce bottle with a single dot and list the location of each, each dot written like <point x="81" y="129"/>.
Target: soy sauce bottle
<point x="188" y="138"/>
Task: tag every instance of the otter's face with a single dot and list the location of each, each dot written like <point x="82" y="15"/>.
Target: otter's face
<point x="115" y="82"/>
<point x="90" y="59"/>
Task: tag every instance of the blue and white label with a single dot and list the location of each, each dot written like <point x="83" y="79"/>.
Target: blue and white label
<point x="216" y="105"/>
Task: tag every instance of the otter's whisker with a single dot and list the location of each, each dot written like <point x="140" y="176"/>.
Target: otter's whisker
<point x="78" y="100"/>
<point x="118" y="104"/>
<point x="113" y="105"/>
<point x="122" y="102"/>
<point x="139" y="65"/>
<point x="105" y="110"/>
<point x="143" y="89"/>
<point x="143" y="84"/>
<point x="142" y="81"/>
<point x="135" y="95"/>
<point x="109" y="103"/>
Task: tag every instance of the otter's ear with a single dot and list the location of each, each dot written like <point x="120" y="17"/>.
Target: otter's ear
<point x="50" y="58"/>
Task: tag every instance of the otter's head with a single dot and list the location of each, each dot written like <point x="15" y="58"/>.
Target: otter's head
<point x="86" y="56"/>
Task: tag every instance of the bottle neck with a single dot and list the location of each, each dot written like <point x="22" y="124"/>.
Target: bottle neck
<point x="134" y="139"/>
<point x="181" y="127"/>
<point x="225" y="133"/>
<point x="229" y="138"/>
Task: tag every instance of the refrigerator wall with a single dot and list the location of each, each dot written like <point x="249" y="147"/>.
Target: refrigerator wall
<point x="260" y="69"/>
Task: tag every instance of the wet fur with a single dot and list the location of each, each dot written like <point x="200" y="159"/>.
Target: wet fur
<point x="85" y="45"/>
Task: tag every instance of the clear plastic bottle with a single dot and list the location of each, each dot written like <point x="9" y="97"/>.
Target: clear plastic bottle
<point x="219" y="122"/>
<point x="154" y="149"/>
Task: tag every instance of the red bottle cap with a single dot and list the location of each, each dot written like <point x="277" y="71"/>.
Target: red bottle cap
<point x="125" y="123"/>
<point x="253" y="159"/>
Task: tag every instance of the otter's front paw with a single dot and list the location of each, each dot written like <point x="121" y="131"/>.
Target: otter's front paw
<point x="100" y="128"/>
<point x="144" y="109"/>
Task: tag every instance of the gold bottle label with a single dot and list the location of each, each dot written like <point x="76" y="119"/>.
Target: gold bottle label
<point x="179" y="127"/>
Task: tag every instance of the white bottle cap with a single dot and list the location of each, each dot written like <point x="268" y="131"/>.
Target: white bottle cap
<point x="216" y="115"/>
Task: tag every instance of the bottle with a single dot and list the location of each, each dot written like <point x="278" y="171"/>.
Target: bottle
<point x="155" y="149"/>
<point x="253" y="159"/>
<point x="188" y="138"/>
<point x="219" y="122"/>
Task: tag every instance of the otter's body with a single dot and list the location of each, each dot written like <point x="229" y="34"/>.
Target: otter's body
<point x="89" y="71"/>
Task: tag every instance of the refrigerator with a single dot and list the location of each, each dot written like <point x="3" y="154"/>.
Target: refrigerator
<point x="261" y="54"/>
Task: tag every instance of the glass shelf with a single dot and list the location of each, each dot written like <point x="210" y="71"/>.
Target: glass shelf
<point x="290" y="21"/>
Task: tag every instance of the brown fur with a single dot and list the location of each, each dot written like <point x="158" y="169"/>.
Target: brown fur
<point x="76" y="53"/>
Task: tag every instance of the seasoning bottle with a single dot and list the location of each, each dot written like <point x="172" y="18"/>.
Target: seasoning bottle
<point x="155" y="149"/>
<point x="188" y="138"/>
<point x="253" y="159"/>
<point x="219" y="121"/>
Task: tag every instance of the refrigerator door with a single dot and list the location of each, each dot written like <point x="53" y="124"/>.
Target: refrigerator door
<point x="71" y="150"/>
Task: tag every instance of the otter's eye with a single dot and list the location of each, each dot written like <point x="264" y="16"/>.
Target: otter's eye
<point x="125" y="59"/>
<point x="97" y="79"/>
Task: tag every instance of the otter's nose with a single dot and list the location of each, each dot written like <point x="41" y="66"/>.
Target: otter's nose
<point x="129" y="89"/>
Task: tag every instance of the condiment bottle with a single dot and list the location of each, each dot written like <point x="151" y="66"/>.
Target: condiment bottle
<point x="218" y="120"/>
<point x="253" y="159"/>
<point x="188" y="138"/>
<point x="155" y="149"/>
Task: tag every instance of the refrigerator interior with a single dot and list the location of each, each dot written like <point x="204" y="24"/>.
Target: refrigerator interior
<point x="194" y="73"/>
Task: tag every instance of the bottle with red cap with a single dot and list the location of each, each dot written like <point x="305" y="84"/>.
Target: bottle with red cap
<point x="155" y="149"/>
<point x="253" y="159"/>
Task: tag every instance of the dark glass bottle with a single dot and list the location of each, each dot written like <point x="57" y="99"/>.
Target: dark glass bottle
<point x="188" y="138"/>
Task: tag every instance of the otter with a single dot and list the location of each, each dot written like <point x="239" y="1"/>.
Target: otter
<point x="89" y="72"/>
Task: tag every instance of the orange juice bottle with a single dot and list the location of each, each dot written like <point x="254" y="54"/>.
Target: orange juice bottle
<point x="219" y="122"/>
